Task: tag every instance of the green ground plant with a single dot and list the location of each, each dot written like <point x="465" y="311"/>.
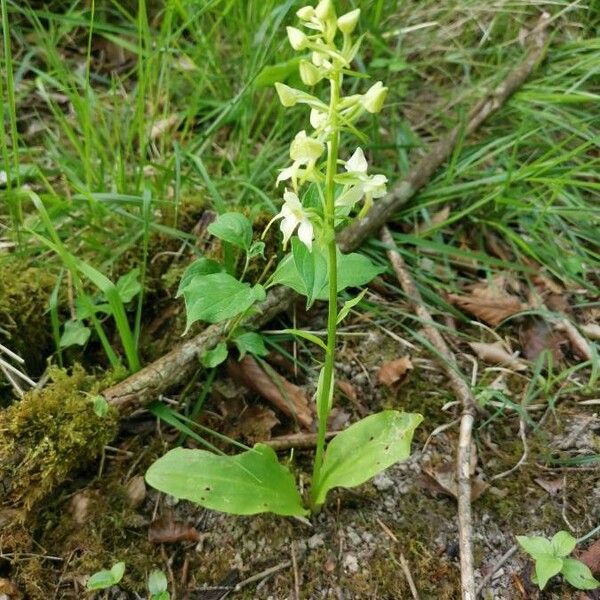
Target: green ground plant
<point x="552" y="557"/>
<point x="321" y="198"/>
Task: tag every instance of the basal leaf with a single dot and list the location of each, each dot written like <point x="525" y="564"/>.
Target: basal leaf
<point x="578" y="574"/>
<point x="217" y="297"/>
<point x="234" y="228"/>
<point x="245" y="484"/>
<point x="546" y="567"/>
<point x="128" y="285"/>
<point x="74" y="333"/>
<point x="563" y="543"/>
<point x="157" y="582"/>
<point x="365" y="449"/>
<point x="535" y="545"/>
<point x="105" y="579"/>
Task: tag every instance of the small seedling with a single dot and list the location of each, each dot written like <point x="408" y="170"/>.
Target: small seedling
<point x="552" y="557"/>
<point x="105" y="579"/>
<point x="157" y="586"/>
<point x="327" y="187"/>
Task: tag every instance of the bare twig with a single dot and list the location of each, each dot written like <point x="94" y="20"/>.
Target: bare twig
<point x="263" y="574"/>
<point x="296" y="440"/>
<point x="464" y="394"/>
<point x="296" y="576"/>
<point x="495" y="568"/>
<point x="176" y="366"/>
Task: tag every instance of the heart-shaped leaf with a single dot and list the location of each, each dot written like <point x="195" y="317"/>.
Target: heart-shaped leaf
<point x="245" y="484"/>
<point x="200" y="267"/>
<point x="365" y="449"/>
<point x="233" y="227"/>
<point x="354" y="270"/>
<point x="218" y="297"/>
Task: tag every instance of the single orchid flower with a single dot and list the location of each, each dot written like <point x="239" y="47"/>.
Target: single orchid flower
<point x="369" y="186"/>
<point x="293" y="215"/>
<point x="304" y="151"/>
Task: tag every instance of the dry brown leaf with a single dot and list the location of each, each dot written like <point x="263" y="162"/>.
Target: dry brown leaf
<point x="136" y="490"/>
<point x="9" y="590"/>
<point x="441" y="216"/>
<point x="536" y="336"/>
<point x="254" y="424"/>
<point x="552" y="486"/>
<point x="284" y="395"/>
<point x="80" y="504"/>
<point x="162" y="126"/>
<point x="394" y="371"/>
<point x="579" y="345"/>
<point x="591" y="557"/>
<point x="497" y="354"/>
<point x="490" y="302"/>
<point x="347" y="389"/>
<point x="111" y="56"/>
<point x="443" y="479"/>
<point x="166" y="529"/>
<point x="591" y="330"/>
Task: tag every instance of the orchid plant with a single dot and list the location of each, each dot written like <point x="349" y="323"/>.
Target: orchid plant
<point x="319" y="198"/>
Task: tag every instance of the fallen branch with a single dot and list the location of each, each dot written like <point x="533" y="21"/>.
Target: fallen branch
<point x="464" y="394"/>
<point x="176" y="366"/>
<point x="298" y="441"/>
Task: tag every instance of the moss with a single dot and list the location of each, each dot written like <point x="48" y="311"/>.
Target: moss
<point x="24" y="320"/>
<point x="49" y="433"/>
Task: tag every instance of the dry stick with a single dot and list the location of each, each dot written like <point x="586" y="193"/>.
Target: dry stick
<point x="177" y="365"/>
<point x="464" y="394"/>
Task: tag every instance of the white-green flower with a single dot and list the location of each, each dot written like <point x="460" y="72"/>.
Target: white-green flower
<point x="294" y="216"/>
<point x="347" y="23"/>
<point x="297" y="38"/>
<point x="318" y="118"/>
<point x="361" y="184"/>
<point x="304" y="151"/>
<point x="373" y="100"/>
<point x="305" y="148"/>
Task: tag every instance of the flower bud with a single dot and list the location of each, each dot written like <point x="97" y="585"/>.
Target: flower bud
<point x="288" y="96"/>
<point x="324" y="10"/>
<point x="373" y="100"/>
<point x="347" y="23"/>
<point x="309" y="74"/>
<point x="298" y="39"/>
<point x="306" y="13"/>
<point x="305" y="148"/>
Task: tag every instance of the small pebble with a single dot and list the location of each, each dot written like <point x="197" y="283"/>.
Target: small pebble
<point x="315" y="541"/>
<point x="350" y="563"/>
<point x="382" y="482"/>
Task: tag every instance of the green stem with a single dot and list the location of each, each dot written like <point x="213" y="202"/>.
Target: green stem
<point x="323" y="402"/>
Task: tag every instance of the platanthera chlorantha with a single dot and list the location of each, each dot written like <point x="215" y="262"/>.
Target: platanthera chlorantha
<point x="323" y="192"/>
